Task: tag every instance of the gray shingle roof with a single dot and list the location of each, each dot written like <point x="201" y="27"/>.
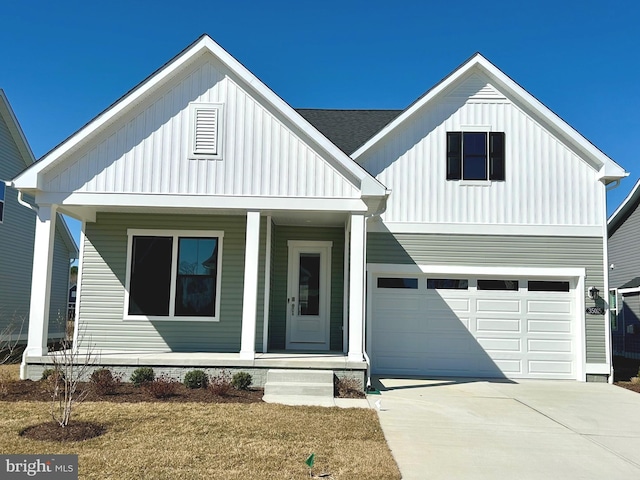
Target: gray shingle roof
<point x="348" y="129"/>
<point x="635" y="283"/>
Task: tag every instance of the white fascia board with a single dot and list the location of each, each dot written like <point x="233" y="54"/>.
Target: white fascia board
<point x="624" y="291"/>
<point x="480" y="229"/>
<point x="368" y="184"/>
<point x="633" y="194"/>
<point x="609" y="170"/>
<point x="202" y="202"/>
<point x="9" y="116"/>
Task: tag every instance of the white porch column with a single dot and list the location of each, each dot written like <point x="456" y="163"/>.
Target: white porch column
<point x="41" y="280"/>
<point x="356" y="287"/>
<point x="250" y="296"/>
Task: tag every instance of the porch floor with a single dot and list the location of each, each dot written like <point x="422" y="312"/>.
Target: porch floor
<point x="320" y="361"/>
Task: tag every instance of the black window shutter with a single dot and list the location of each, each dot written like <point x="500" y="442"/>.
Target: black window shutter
<point x="496" y="156"/>
<point x="454" y="155"/>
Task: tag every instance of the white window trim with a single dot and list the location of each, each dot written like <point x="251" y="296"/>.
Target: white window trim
<point x="3" y="201"/>
<point x="193" y="107"/>
<point x="613" y="291"/>
<point x="175" y="234"/>
<point x="475" y="129"/>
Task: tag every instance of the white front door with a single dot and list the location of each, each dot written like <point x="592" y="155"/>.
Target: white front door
<point x="308" y="295"/>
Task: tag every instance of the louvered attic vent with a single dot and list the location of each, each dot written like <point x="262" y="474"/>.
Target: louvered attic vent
<point x="205" y="132"/>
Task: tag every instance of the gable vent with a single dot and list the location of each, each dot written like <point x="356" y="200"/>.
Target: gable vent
<point x="476" y="87"/>
<point x="206" y="130"/>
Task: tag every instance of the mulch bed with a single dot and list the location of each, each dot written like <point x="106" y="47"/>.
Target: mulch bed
<point x="75" y="431"/>
<point x="629" y="386"/>
<point x="28" y="390"/>
<point x="624" y="370"/>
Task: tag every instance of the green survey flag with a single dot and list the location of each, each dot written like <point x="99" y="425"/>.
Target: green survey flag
<point x="309" y="461"/>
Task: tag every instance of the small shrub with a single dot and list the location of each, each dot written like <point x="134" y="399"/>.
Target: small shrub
<point x="51" y="374"/>
<point x="162" y="387"/>
<point x="142" y="375"/>
<point x="241" y="381"/>
<point x="104" y="382"/>
<point x="46" y="373"/>
<point x="348" y="387"/>
<point x="196" y="379"/>
<point x="220" y="385"/>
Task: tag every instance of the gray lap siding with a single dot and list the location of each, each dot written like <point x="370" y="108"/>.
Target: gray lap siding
<point x="494" y="250"/>
<point x="101" y="302"/>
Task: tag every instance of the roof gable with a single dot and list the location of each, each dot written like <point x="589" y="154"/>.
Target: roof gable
<point x="469" y="80"/>
<point x="9" y="117"/>
<point x="32" y="178"/>
<point x="628" y="206"/>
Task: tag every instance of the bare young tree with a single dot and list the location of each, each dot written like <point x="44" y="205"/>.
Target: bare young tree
<point x="71" y="366"/>
<point x="10" y="337"/>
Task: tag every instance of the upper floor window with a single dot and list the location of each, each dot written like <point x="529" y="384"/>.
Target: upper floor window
<point x="475" y="156"/>
<point x="206" y="130"/>
<point x="3" y="188"/>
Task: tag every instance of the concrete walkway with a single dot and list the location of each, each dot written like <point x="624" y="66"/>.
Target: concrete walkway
<point x="479" y="429"/>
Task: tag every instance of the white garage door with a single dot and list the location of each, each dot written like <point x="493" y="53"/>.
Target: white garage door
<point x="481" y="327"/>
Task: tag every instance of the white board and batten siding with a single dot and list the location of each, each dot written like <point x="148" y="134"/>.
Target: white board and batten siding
<point x="149" y="150"/>
<point x="546" y="182"/>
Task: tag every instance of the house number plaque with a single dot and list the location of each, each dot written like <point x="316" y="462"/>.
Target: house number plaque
<point x="595" y="310"/>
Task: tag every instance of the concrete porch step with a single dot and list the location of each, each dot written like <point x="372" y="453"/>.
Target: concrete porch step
<point x="298" y="383"/>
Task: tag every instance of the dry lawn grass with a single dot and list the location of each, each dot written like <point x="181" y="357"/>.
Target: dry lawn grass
<point x="213" y="441"/>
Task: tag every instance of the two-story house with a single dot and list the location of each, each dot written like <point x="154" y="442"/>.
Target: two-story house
<point x="462" y="236"/>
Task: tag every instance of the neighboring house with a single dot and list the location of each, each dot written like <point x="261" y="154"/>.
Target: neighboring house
<point x="222" y="228"/>
<point x="17" y="229"/>
<point x="624" y="275"/>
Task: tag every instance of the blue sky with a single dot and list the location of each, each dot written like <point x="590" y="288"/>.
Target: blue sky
<point x="64" y="62"/>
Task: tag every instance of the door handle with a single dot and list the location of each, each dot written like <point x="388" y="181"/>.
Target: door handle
<point x="293" y="308"/>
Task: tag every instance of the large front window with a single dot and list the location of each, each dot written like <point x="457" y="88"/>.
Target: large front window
<point x="173" y="275"/>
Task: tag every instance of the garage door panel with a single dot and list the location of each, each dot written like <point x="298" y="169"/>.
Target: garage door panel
<point x="441" y="345"/>
<point x="546" y="368"/>
<point x="498" y="325"/>
<point x="500" y="344"/>
<point x="547" y="305"/>
<point x="546" y="345"/>
<point x="458" y="365"/>
<point x="509" y="367"/>
<point x="497" y="305"/>
<point x="549" y="326"/>
<point x="448" y="304"/>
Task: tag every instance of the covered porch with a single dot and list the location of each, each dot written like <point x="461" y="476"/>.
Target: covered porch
<point x="257" y="303"/>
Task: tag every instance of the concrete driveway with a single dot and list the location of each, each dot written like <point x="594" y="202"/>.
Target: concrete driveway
<point x="482" y="429"/>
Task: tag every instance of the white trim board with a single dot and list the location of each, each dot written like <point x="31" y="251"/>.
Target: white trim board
<point x="201" y="202"/>
<point x="486" y="229"/>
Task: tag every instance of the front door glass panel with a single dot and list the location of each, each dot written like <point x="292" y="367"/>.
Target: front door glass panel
<point x="309" y="284"/>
